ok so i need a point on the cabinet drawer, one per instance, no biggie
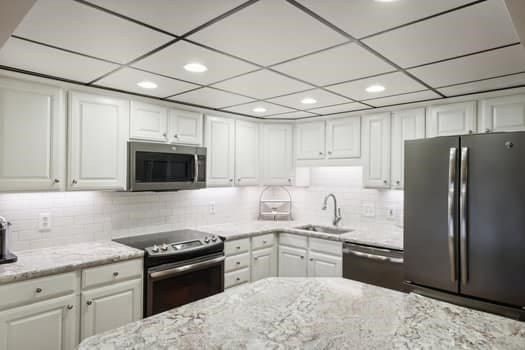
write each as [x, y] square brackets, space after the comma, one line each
[38, 289]
[262, 241]
[293, 240]
[236, 277]
[95, 276]
[326, 246]
[236, 247]
[237, 262]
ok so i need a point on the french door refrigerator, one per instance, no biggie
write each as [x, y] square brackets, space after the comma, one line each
[465, 220]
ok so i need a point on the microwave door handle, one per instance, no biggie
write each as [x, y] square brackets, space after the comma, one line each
[196, 172]
[180, 270]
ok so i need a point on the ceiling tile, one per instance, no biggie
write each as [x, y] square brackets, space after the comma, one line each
[263, 84]
[268, 32]
[394, 83]
[335, 65]
[211, 98]
[44, 60]
[172, 59]
[364, 17]
[248, 109]
[481, 66]
[406, 98]
[484, 85]
[176, 17]
[81, 28]
[126, 79]
[322, 97]
[293, 115]
[345, 107]
[471, 29]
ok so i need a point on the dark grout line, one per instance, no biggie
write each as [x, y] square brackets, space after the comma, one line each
[395, 95]
[480, 80]
[310, 54]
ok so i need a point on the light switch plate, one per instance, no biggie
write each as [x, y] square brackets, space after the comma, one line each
[44, 222]
[368, 210]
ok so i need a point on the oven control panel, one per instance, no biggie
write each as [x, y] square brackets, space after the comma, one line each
[174, 248]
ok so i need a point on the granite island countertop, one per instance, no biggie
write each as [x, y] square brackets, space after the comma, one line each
[315, 313]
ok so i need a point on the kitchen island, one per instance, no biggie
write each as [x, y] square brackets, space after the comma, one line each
[315, 313]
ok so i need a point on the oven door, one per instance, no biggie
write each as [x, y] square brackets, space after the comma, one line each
[172, 285]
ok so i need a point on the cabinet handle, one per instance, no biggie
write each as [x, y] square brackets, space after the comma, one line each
[238, 279]
[164, 134]
[255, 258]
[470, 132]
[56, 181]
[89, 302]
[302, 257]
[311, 259]
[238, 247]
[176, 136]
[487, 130]
[398, 182]
[238, 262]
[289, 180]
[74, 182]
[38, 290]
[264, 242]
[115, 273]
[320, 153]
[239, 180]
[70, 307]
[329, 152]
[231, 180]
[386, 182]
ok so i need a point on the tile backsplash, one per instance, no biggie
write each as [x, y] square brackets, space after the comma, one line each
[87, 216]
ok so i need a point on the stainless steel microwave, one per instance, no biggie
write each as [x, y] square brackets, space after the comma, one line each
[165, 167]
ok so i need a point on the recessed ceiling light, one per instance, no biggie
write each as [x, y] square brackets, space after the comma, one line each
[259, 109]
[147, 84]
[195, 67]
[308, 101]
[375, 88]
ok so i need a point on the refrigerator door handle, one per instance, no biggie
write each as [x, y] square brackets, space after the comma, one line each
[452, 168]
[463, 214]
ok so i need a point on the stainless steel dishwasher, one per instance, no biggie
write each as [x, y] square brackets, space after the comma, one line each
[379, 266]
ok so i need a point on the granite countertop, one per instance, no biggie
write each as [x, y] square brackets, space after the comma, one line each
[315, 313]
[47, 261]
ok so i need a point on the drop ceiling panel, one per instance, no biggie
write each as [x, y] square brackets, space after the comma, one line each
[263, 84]
[481, 66]
[472, 29]
[484, 85]
[394, 83]
[335, 65]
[44, 60]
[211, 98]
[172, 59]
[406, 98]
[126, 79]
[176, 17]
[268, 32]
[322, 97]
[81, 28]
[248, 109]
[346, 107]
[293, 115]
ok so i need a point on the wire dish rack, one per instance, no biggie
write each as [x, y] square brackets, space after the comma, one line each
[278, 206]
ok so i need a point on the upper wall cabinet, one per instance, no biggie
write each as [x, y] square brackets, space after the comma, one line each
[343, 138]
[32, 137]
[376, 150]
[277, 154]
[98, 133]
[220, 141]
[149, 122]
[246, 153]
[406, 125]
[503, 114]
[185, 127]
[310, 140]
[451, 119]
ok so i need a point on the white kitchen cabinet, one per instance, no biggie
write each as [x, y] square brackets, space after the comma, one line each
[503, 114]
[343, 138]
[277, 154]
[98, 134]
[324, 265]
[310, 140]
[263, 263]
[148, 122]
[406, 125]
[32, 137]
[246, 153]
[185, 127]
[220, 141]
[376, 150]
[451, 119]
[292, 262]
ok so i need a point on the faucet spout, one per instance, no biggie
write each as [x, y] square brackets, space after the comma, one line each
[337, 211]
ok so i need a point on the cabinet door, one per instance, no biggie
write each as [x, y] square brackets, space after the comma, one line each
[246, 153]
[323, 265]
[343, 138]
[503, 114]
[110, 307]
[406, 125]
[452, 119]
[32, 137]
[220, 140]
[376, 150]
[277, 154]
[292, 262]
[148, 122]
[98, 133]
[47, 325]
[263, 263]
[185, 127]
[310, 140]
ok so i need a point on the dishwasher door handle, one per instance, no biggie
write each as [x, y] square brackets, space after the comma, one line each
[373, 256]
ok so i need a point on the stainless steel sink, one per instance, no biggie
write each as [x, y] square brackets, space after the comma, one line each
[324, 229]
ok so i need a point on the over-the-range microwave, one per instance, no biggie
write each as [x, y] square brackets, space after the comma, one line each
[165, 167]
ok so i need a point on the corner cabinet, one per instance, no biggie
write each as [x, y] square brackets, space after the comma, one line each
[277, 154]
[220, 141]
[246, 153]
[503, 114]
[98, 134]
[376, 150]
[451, 119]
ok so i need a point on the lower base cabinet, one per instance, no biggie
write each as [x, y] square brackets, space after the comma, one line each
[292, 262]
[263, 263]
[323, 265]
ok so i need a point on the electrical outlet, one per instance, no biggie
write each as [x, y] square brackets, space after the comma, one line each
[211, 208]
[368, 209]
[44, 223]
[390, 213]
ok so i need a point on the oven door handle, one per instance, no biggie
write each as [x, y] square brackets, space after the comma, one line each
[179, 270]
[373, 256]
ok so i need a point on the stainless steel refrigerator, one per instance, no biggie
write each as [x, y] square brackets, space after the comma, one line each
[465, 220]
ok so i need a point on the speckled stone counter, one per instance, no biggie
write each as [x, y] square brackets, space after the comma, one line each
[315, 313]
[47, 261]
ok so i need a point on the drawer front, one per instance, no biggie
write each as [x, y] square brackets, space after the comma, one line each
[237, 262]
[326, 246]
[236, 277]
[236, 247]
[96, 276]
[38, 289]
[263, 241]
[293, 240]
